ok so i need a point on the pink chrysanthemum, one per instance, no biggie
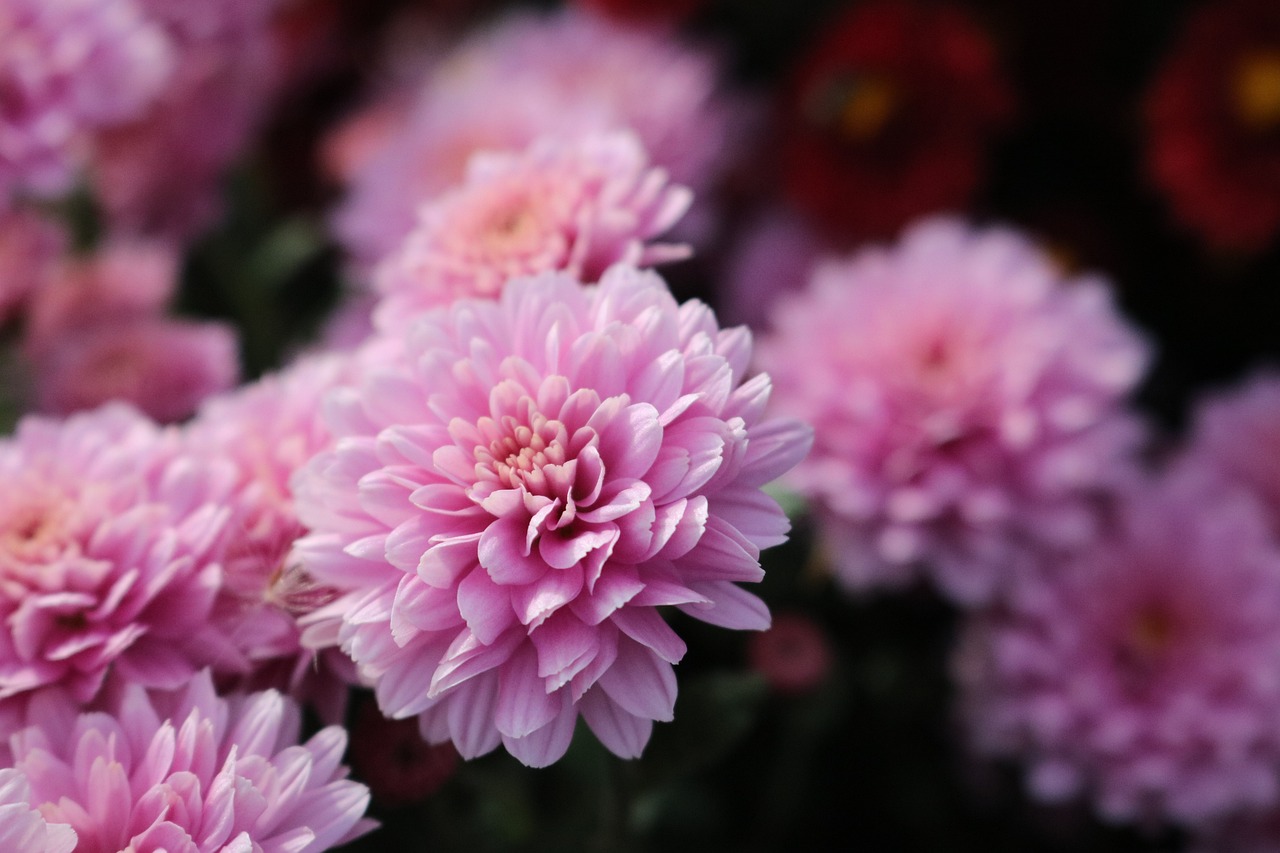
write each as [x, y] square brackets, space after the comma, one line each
[1145, 671]
[508, 506]
[22, 827]
[1238, 432]
[110, 538]
[68, 67]
[268, 430]
[964, 399]
[532, 76]
[579, 207]
[191, 772]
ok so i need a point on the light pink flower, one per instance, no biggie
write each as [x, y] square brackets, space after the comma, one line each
[507, 507]
[579, 207]
[68, 67]
[164, 367]
[532, 76]
[1238, 431]
[23, 828]
[1144, 672]
[965, 400]
[110, 540]
[268, 430]
[29, 249]
[191, 772]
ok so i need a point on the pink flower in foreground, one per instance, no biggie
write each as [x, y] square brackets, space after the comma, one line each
[110, 538]
[22, 827]
[164, 367]
[507, 507]
[532, 76]
[1238, 432]
[1144, 672]
[191, 772]
[68, 67]
[965, 400]
[578, 207]
[268, 430]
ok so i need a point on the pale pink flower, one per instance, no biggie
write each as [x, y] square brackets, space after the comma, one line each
[1238, 431]
[191, 772]
[22, 827]
[268, 430]
[510, 502]
[1144, 672]
[110, 541]
[165, 367]
[532, 76]
[68, 67]
[966, 401]
[579, 207]
[30, 247]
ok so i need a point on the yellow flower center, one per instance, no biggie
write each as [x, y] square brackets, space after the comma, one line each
[867, 107]
[1256, 90]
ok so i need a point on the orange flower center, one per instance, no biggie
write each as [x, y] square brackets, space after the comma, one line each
[857, 106]
[1256, 90]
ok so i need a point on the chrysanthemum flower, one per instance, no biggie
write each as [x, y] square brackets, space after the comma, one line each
[508, 506]
[110, 538]
[529, 77]
[578, 207]
[1143, 673]
[268, 430]
[964, 399]
[1212, 119]
[890, 115]
[22, 827]
[191, 772]
[68, 67]
[1237, 431]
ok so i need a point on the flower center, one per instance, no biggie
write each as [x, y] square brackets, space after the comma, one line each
[1256, 90]
[857, 106]
[520, 456]
[31, 528]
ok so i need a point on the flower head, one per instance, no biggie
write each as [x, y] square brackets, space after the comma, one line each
[507, 507]
[1142, 672]
[110, 540]
[190, 772]
[965, 399]
[578, 207]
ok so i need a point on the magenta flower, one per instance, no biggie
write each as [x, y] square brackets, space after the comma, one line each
[532, 76]
[68, 67]
[268, 430]
[1143, 673]
[508, 506]
[110, 538]
[1236, 431]
[23, 828]
[191, 772]
[965, 400]
[578, 207]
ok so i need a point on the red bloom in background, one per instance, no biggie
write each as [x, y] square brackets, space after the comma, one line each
[1213, 124]
[645, 10]
[391, 757]
[890, 115]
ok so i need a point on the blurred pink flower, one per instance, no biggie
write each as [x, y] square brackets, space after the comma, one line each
[30, 246]
[191, 772]
[22, 828]
[966, 399]
[268, 430]
[110, 542]
[507, 507]
[794, 655]
[579, 207]
[1144, 672]
[1238, 431]
[164, 367]
[532, 76]
[68, 67]
[775, 254]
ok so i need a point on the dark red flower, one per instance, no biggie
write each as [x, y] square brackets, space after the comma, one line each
[889, 116]
[391, 757]
[645, 10]
[794, 655]
[1213, 124]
